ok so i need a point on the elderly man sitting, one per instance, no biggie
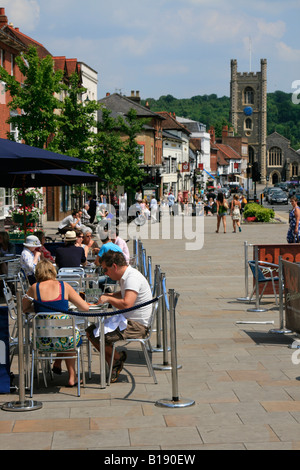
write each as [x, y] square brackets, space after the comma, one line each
[134, 290]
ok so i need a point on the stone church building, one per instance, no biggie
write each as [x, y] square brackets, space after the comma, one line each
[248, 115]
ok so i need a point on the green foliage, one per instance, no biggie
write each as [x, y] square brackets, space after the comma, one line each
[208, 109]
[35, 97]
[262, 214]
[74, 135]
[283, 114]
[116, 152]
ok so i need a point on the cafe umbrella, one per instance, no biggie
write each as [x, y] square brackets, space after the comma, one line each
[21, 157]
[35, 178]
[44, 178]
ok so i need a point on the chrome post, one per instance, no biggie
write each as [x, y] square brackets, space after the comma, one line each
[246, 270]
[22, 404]
[175, 401]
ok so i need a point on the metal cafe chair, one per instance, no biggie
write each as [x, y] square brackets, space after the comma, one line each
[265, 276]
[71, 270]
[47, 330]
[13, 271]
[144, 342]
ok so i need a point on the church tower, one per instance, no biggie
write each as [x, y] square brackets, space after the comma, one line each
[248, 111]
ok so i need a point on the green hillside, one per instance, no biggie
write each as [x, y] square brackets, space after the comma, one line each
[283, 115]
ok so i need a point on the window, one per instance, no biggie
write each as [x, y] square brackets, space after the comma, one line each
[142, 153]
[248, 124]
[275, 156]
[1, 57]
[249, 95]
[167, 164]
[14, 132]
[294, 169]
[251, 155]
[174, 165]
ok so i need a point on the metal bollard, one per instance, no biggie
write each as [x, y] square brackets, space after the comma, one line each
[149, 278]
[257, 306]
[282, 328]
[246, 270]
[144, 266]
[175, 401]
[165, 308]
[158, 292]
[22, 404]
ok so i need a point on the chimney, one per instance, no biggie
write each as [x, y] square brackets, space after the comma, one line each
[231, 132]
[135, 96]
[212, 135]
[224, 132]
[3, 18]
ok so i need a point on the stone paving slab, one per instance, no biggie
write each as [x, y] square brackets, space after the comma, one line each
[241, 377]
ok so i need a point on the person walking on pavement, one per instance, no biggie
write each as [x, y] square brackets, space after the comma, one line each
[236, 213]
[171, 202]
[294, 220]
[222, 208]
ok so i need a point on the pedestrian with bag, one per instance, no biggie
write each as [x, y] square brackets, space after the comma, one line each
[236, 213]
[294, 220]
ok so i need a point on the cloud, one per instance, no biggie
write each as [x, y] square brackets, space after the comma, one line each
[22, 13]
[287, 53]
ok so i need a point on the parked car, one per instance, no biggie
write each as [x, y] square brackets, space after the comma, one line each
[271, 190]
[225, 191]
[278, 197]
[292, 192]
[283, 186]
[266, 192]
[234, 188]
[297, 194]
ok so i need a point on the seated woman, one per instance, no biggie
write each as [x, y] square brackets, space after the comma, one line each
[89, 243]
[30, 257]
[56, 294]
[46, 253]
[209, 207]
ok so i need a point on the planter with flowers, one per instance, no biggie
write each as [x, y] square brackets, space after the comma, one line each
[17, 236]
[29, 210]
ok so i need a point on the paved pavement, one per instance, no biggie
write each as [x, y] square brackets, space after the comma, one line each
[241, 377]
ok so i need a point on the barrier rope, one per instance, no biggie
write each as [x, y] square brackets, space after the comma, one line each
[89, 314]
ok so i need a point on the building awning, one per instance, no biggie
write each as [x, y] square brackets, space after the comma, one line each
[210, 174]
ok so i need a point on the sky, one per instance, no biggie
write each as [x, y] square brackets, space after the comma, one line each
[160, 47]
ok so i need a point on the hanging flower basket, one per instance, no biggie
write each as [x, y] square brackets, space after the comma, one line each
[29, 199]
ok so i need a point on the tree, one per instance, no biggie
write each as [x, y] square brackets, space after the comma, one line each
[132, 174]
[116, 152]
[35, 97]
[76, 121]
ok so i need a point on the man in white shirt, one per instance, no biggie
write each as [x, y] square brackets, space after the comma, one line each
[134, 290]
[71, 222]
